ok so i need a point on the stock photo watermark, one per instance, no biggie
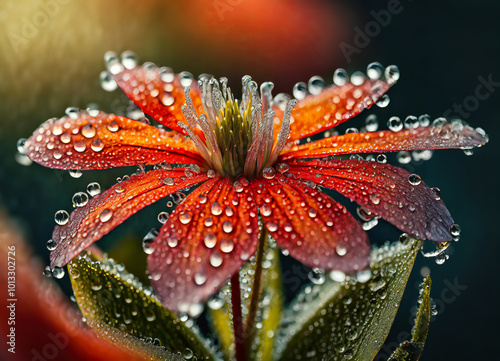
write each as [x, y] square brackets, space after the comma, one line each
[484, 89]
[29, 26]
[363, 36]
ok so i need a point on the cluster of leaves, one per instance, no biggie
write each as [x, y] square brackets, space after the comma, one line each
[328, 320]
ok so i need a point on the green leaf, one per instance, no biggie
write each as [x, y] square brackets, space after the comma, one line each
[350, 320]
[412, 350]
[110, 297]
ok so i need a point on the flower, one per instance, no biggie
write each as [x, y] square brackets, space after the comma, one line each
[247, 163]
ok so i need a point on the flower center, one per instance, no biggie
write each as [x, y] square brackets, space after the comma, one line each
[236, 138]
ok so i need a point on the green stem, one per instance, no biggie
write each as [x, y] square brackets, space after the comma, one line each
[239, 337]
[256, 289]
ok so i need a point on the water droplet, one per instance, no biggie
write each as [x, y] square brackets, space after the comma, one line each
[186, 78]
[65, 138]
[216, 259]
[74, 273]
[272, 226]
[317, 277]
[455, 230]
[404, 157]
[163, 217]
[169, 181]
[226, 245]
[72, 112]
[20, 145]
[375, 198]
[364, 276]
[374, 71]
[337, 276]
[216, 209]
[88, 131]
[392, 74]
[80, 199]
[383, 101]
[371, 123]
[357, 78]
[187, 354]
[51, 245]
[75, 173]
[210, 240]
[107, 82]
[185, 218]
[61, 217]
[424, 120]
[340, 77]
[58, 272]
[300, 91]
[113, 126]
[382, 158]
[97, 145]
[265, 210]
[437, 193]
[80, 146]
[166, 74]
[268, 173]
[312, 213]
[316, 85]
[105, 215]
[47, 272]
[210, 173]
[93, 189]
[200, 278]
[208, 222]
[129, 59]
[414, 179]
[395, 124]
[227, 227]
[351, 130]
[282, 167]
[340, 250]
[411, 122]
[238, 187]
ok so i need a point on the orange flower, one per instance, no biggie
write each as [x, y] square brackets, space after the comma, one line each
[245, 158]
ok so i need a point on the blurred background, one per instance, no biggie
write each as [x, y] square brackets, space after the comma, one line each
[51, 55]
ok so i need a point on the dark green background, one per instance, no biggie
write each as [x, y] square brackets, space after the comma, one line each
[441, 48]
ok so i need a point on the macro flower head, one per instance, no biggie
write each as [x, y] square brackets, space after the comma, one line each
[248, 172]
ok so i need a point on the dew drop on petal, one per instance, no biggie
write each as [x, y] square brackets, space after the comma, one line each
[392, 74]
[282, 167]
[312, 213]
[200, 278]
[51, 245]
[72, 112]
[216, 209]
[226, 245]
[185, 218]
[93, 189]
[80, 146]
[216, 259]
[288, 227]
[299, 91]
[105, 215]
[208, 222]
[316, 85]
[107, 82]
[374, 71]
[113, 126]
[411, 122]
[340, 77]
[227, 227]
[65, 138]
[357, 78]
[80, 199]
[437, 193]
[340, 250]
[395, 124]
[75, 173]
[383, 101]
[404, 157]
[186, 78]
[272, 226]
[210, 173]
[375, 199]
[265, 210]
[268, 173]
[97, 145]
[61, 217]
[371, 123]
[414, 179]
[455, 230]
[169, 181]
[88, 131]
[210, 240]
[129, 59]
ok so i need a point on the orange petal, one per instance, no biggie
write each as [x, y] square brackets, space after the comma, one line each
[85, 141]
[434, 137]
[204, 242]
[109, 209]
[334, 105]
[159, 93]
[47, 326]
[390, 192]
[311, 226]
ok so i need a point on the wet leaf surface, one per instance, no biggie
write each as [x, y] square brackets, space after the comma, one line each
[348, 320]
[109, 297]
[412, 350]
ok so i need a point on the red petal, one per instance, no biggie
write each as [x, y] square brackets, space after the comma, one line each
[204, 242]
[334, 105]
[387, 141]
[47, 326]
[159, 96]
[106, 141]
[384, 190]
[313, 227]
[109, 209]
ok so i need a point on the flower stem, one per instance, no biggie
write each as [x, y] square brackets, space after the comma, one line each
[239, 337]
[256, 287]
